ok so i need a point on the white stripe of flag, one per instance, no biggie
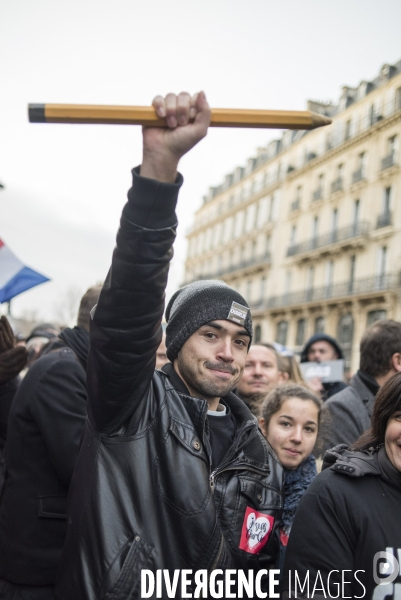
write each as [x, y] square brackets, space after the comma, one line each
[15, 277]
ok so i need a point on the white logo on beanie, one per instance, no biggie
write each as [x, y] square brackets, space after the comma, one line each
[238, 313]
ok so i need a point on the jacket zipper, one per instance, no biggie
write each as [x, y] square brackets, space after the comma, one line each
[216, 560]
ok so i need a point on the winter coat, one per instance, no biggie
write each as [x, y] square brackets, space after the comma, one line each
[44, 431]
[7, 393]
[143, 495]
[348, 515]
[345, 416]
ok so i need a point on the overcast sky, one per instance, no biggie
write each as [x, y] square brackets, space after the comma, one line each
[65, 185]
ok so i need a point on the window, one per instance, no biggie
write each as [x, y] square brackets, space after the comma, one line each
[320, 182]
[345, 333]
[329, 277]
[398, 99]
[258, 334]
[391, 145]
[301, 327]
[362, 163]
[351, 274]
[357, 205]
[287, 284]
[272, 207]
[319, 324]
[375, 315]
[347, 133]
[262, 288]
[249, 290]
[382, 259]
[293, 236]
[386, 200]
[281, 332]
[334, 221]
[309, 282]
[315, 227]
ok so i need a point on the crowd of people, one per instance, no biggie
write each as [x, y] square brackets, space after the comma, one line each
[124, 448]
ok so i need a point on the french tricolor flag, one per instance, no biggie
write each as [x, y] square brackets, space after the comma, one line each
[15, 277]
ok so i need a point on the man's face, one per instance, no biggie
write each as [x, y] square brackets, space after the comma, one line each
[161, 356]
[320, 351]
[212, 359]
[261, 372]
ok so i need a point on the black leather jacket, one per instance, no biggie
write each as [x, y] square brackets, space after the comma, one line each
[142, 495]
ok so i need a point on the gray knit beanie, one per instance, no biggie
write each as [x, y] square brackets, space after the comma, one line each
[198, 303]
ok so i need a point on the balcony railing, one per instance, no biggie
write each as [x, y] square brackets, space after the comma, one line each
[317, 195]
[354, 287]
[358, 175]
[295, 205]
[264, 259]
[336, 185]
[388, 161]
[383, 220]
[337, 235]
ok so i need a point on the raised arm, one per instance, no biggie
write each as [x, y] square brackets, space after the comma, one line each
[125, 329]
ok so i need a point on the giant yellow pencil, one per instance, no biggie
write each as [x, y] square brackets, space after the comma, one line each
[146, 115]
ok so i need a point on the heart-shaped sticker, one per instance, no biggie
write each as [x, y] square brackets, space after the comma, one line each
[256, 530]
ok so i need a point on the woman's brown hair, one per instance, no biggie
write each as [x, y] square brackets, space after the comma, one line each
[276, 398]
[387, 402]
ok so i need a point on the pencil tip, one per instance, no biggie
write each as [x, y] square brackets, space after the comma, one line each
[319, 120]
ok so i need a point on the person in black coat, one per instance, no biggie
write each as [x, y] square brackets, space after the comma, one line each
[44, 432]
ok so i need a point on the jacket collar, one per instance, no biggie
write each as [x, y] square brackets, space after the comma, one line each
[363, 392]
[240, 411]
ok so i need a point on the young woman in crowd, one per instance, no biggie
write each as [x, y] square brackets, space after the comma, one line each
[290, 421]
[347, 531]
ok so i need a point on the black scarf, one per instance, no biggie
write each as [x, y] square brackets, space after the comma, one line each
[78, 340]
[369, 381]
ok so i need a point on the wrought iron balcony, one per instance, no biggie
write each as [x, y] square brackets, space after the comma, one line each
[358, 175]
[354, 287]
[336, 185]
[259, 260]
[317, 194]
[388, 161]
[295, 205]
[384, 219]
[337, 235]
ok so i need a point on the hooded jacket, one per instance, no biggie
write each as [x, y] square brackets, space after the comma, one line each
[143, 494]
[45, 426]
[355, 507]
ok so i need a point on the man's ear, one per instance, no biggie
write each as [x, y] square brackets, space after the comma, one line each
[283, 376]
[262, 425]
[396, 362]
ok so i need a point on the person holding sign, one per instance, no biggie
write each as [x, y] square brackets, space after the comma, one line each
[323, 348]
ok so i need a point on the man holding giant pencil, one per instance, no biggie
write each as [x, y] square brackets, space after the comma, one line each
[173, 473]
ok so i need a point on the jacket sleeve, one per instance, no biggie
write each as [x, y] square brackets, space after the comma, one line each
[126, 324]
[316, 547]
[58, 408]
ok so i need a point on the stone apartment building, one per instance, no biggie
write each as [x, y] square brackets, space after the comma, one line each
[309, 231]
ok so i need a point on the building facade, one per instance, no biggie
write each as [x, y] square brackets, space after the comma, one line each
[309, 231]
